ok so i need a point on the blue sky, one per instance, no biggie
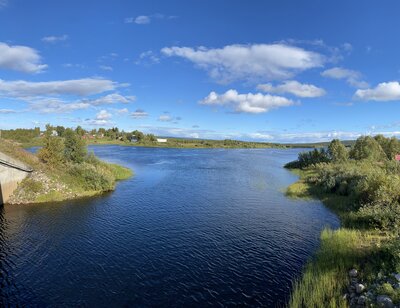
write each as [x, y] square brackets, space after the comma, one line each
[277, 71]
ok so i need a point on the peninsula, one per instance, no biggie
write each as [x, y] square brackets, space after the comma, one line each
[62, 169]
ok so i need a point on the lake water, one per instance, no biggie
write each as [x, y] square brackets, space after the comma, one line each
[206, 227]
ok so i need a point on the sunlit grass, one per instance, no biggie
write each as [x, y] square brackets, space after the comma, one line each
[325, 277]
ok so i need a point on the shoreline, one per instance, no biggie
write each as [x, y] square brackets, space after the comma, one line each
[324, 279]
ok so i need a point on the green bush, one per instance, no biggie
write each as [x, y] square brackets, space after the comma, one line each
[93, 177]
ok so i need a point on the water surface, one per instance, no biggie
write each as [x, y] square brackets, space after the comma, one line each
[192, 228]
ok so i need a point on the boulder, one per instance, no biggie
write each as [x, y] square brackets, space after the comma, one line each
[397, 276]
[353, 273]
[359, 288]
[362, 300]
[384, 301]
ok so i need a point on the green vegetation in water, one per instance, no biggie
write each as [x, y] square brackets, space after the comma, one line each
[63, 170]
[361, 185]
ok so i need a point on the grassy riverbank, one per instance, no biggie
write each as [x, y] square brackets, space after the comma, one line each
[363, 190]
[63, 181]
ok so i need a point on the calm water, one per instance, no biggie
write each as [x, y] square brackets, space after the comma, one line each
[192, 228]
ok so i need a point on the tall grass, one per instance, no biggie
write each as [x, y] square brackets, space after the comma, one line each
[325, 277]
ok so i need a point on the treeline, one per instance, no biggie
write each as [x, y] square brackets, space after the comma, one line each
[21, 135]
[367, 174]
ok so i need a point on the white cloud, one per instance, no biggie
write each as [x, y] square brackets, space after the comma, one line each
[55, 105]
[103, 115]
[139, 114]
[250, 103]
[7, 111]
[352, 77]
[293, 87]
[81, 87]
[20, 58]
[113, 98]
[122, 111]
[148, 57]
[55, 39]
[165, 118]
[106, 68]
[249, 62]
[385, 91]
[140, 20]
[146, 19]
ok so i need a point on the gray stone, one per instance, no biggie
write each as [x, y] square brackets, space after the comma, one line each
[353, 273]
[359, 288]
[397, 276]
[384, 301]
[362, 300]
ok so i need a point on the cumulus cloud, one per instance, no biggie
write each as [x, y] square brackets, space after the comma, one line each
[80, 87]
[249, 62]
[20, 58]
[103, 118]
[385, 91]
[55, 105]
[55, 39]
[352, 77]
[113, 98]
[293, 87]
[249, 103]
[139, 114]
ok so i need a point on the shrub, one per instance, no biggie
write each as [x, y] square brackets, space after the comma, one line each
[93, 177]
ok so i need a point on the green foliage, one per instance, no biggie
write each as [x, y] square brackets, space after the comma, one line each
[391, 146]
[367, 148]
[306, 159]
[52, 152]
[337, 151]
[74, 147]
[92, 177]
[20, 134]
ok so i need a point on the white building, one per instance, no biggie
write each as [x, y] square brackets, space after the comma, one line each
[161, 140]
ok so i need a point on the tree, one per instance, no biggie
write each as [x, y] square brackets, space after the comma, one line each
[337, 151]
[74, 147]
[151, 137]
[52, 152]
[367, 148]
[139, 135]
[391, 146]
[60, 130]
[79, 130]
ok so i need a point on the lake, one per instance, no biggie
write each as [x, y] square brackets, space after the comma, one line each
[202, 227]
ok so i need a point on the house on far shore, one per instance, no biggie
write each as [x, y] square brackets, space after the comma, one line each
[161, 140]
[397, 157]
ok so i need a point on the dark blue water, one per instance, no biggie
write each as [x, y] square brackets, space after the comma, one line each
[192, 228]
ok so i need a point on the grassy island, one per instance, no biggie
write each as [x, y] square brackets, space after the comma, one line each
[62, 170]
[362, 185]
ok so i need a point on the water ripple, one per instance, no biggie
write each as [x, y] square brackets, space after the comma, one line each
[192, 228]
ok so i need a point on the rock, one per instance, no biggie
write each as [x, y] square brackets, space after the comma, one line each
[384, 301]
[359, 288]
[396, 285]
[353, 273]
[397, 276]
[362, 300]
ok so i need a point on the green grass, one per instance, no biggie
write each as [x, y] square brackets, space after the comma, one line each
[120, 172]
[325, 277]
